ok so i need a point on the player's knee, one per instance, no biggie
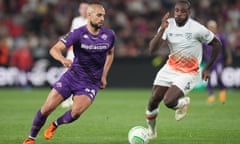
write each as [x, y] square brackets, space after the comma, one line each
[169, 103]
[46, 112]
[76, 114]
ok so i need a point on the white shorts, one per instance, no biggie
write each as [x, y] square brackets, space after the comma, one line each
[167, 77]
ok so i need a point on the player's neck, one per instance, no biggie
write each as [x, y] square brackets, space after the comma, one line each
[93, 30]
[182, 23]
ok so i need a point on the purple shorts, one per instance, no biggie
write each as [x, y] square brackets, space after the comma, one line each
[69, 85]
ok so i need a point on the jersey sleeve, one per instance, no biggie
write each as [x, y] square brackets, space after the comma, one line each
[69, 39]
[112, 40]
[206, 36]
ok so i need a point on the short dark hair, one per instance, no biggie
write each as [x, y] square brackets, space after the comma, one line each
[184, 2]
[99, 2]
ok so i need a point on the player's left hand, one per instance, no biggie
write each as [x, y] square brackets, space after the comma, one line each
[205, 74]
[67, 63]
[164, 24]
[103, 83]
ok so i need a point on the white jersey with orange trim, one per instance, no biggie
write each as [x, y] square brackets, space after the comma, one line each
[185, 44]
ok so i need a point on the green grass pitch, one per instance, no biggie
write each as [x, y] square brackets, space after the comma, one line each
[115, 111]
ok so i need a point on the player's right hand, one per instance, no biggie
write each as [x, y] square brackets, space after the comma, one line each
[205, 74]
[164, 24]
[67, 63]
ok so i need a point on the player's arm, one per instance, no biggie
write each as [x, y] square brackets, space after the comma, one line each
[216, 45]
[56, 53]
[157, 40]
[107, 66]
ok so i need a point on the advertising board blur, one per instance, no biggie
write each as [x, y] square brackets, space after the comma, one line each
[125, 73]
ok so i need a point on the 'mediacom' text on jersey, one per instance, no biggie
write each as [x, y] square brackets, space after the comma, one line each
[90, 51]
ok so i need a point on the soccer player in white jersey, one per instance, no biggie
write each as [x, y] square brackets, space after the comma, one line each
[76, 23]
[178, 76]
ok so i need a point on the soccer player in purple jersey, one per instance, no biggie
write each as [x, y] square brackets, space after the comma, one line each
[93, 47]
[224, 58]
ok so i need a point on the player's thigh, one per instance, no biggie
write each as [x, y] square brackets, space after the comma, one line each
[186, 82]
[164, 77]
[80, 104]
[158, 92]
[53, 100]
[172, 95]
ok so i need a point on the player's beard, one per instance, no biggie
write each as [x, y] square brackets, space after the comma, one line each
[181, 21]
[95, 26]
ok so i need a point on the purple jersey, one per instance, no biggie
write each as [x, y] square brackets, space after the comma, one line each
[221, 55]
[90, 52]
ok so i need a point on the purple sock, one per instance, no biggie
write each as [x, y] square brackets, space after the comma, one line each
[37, 124]
[66, 118]
[220, 84]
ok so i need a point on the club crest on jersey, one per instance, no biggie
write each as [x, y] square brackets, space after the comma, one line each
[207, 35]
[85, 36]
[188, 36]
[59, 84]
[104, 36]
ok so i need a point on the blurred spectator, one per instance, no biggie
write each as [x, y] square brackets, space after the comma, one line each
[22, 59]
[134, 21]
[4, 49]
[3, 52]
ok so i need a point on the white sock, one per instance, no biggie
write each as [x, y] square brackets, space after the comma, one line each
[151, 119]
[56, 123]
[34, 138]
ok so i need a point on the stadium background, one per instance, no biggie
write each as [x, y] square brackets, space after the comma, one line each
[33, 26]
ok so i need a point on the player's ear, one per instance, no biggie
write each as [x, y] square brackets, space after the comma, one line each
[88, 13]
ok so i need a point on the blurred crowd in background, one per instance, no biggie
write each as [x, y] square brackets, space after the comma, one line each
[28, 28]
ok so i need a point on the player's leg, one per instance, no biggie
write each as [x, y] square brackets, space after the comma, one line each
[80, 104]
[210, 88]
[152, 109]
[173, 94]
[175, 97]
[53, 100]
[211, 97]
[161, 83]
[222, 93]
